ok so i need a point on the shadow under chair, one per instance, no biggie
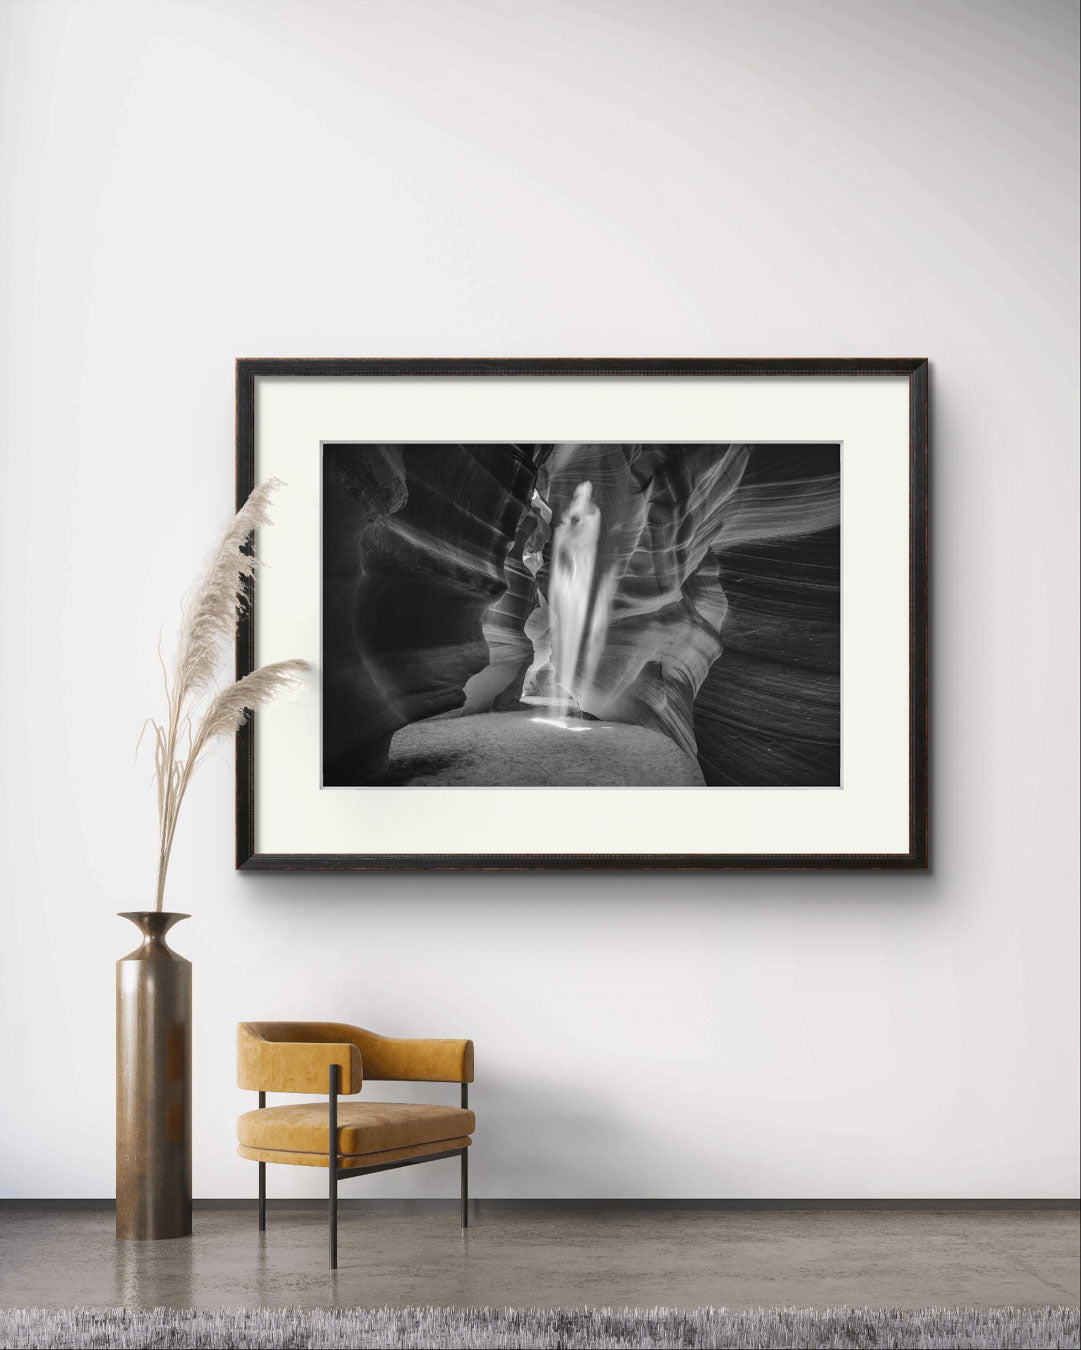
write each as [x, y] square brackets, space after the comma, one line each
[349, 1139]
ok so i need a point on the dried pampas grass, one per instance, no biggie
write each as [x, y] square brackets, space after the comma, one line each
[196, 718]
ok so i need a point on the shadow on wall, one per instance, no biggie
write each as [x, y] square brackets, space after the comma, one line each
[587, 1149]
[433, 896]
[574, 1122]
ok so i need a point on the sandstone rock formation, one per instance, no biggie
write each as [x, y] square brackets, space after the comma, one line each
[415, 543]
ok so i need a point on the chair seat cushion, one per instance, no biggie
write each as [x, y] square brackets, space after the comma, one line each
[363, 1127]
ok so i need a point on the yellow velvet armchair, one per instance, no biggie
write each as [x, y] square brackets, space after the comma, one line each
[349, 1139]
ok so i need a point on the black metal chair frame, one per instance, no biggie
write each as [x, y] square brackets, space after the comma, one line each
[337, 1173]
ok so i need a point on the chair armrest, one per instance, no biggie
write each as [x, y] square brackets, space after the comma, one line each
[294, 1066]
[417, 1060]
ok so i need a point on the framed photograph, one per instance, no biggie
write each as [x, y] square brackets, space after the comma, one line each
[588, 614]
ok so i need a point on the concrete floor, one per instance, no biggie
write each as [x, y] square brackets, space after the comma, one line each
[536, 1254]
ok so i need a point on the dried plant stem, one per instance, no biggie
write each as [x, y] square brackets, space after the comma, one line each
[193, 721]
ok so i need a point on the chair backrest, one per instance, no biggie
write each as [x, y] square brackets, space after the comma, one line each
[296, 1056]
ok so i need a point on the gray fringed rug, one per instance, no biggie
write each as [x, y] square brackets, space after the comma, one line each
[525, 1328]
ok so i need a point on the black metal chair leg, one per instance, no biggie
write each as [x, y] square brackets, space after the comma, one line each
[332, 1164]
[465, 1164]
[333, 1217]
[262, 1178]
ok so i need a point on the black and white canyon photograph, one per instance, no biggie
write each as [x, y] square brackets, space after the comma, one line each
[581, 615]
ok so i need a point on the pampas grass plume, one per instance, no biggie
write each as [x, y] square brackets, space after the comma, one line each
[199, 714]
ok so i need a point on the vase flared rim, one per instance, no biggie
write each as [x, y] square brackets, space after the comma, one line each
[154, 924]
[136, 914]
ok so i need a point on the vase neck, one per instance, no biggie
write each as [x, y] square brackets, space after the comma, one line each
[153, 923]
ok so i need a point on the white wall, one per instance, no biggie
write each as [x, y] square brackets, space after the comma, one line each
[185, 182]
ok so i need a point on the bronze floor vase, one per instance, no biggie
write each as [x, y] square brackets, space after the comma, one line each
[153, 1084]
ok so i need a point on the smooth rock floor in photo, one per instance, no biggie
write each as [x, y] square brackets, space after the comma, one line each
[531, 749]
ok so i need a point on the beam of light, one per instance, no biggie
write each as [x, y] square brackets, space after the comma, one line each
[579, 606]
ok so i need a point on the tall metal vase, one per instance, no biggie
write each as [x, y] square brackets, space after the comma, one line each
[153, 1084]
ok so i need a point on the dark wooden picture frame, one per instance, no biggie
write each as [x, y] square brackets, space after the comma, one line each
[914, 370]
